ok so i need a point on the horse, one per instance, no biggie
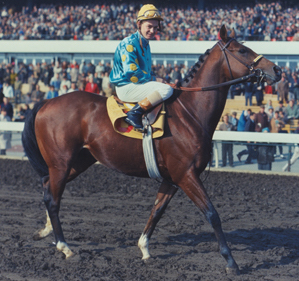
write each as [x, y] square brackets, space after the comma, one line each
[66, 135]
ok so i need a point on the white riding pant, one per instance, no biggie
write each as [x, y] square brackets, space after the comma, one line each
[156, 92]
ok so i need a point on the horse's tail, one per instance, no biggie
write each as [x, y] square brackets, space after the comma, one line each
[30, 144]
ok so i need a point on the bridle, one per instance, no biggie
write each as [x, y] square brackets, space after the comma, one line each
[258, 73]
[225, 50]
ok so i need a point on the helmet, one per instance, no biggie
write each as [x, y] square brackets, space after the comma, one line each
[149, 12]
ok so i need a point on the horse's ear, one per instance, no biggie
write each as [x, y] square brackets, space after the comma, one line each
[232, 34]
[223, 33]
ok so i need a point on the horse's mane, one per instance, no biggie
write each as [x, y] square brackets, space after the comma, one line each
[190, 75]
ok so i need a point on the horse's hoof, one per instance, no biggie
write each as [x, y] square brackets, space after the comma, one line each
[146, 258]
[69, 254]
[36, 236]
[232, 271]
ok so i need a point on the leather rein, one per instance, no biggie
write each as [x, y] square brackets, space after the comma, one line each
[258, 73]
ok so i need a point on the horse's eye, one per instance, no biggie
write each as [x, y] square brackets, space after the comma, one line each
[242, 51]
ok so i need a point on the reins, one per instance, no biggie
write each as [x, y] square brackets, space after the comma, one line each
[258, 73]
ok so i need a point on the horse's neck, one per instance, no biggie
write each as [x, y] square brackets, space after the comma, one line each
[206, 107]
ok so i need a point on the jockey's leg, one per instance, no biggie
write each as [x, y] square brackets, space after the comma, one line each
[134, 116]
[161, 92]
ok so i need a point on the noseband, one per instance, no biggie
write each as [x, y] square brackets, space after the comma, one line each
[258, 73]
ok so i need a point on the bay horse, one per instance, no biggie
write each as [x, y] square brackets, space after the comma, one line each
[66, 135]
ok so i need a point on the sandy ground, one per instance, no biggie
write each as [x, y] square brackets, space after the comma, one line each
[103, 214]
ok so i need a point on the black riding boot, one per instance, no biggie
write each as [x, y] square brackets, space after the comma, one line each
[134, 116]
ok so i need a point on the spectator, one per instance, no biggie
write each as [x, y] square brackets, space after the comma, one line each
[17, 88]
[32, 81]
[109, 91]
[56, 81]
[73, 88]
[99, 69]
[243, 120]
[90, 69]
[74, 72]
[259, 93]
[249, 127]
[8, 106]
[276, 124]
[227, 148]
[22, 73]
[23, 112]
[63, 90]
[12, 76]
[37, 94]
[268, 105]
[235, 90]
[261, 119]
[296, 93]
[234, 121]
[176, 75]
[64, 82]
[270, 114]
[280, 107]
[1, 95]
[292, 111]
[98, 80]
[91, 86]
[57, 69]
[265, 155]
[52, 93]
[8, 90]
[83, 68]
[248, 88]
[105, 82]
[5, 136]
[46, 74]
[283, 89]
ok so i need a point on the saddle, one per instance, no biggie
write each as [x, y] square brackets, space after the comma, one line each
[117, 112]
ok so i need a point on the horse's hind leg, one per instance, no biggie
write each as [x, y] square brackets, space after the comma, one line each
[79, 165]
[165, 193]
[194, 188]
[52, 199]
[44, 232]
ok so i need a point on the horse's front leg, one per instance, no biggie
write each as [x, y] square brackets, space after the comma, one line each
[193, 187]
[165, 193]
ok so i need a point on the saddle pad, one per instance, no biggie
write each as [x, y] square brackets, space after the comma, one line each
[117, 115]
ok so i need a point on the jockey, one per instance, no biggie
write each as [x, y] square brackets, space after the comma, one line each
[131, 73]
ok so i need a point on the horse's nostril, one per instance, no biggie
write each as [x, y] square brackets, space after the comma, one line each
[277, 69]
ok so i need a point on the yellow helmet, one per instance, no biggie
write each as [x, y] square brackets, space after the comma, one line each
[149, 12]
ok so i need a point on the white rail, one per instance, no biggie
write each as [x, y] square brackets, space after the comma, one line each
[218, 135]
[288, 139]
[157, 47]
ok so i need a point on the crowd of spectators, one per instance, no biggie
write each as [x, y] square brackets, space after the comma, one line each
[261, 22]
[29, 84]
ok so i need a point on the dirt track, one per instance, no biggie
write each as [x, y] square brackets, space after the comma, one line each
[103, 214]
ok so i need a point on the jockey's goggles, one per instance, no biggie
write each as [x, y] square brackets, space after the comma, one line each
[150, 14]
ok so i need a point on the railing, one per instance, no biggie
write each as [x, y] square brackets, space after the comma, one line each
[243, 137]
[218, 137]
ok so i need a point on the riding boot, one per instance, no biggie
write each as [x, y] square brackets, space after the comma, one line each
[134, 116]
